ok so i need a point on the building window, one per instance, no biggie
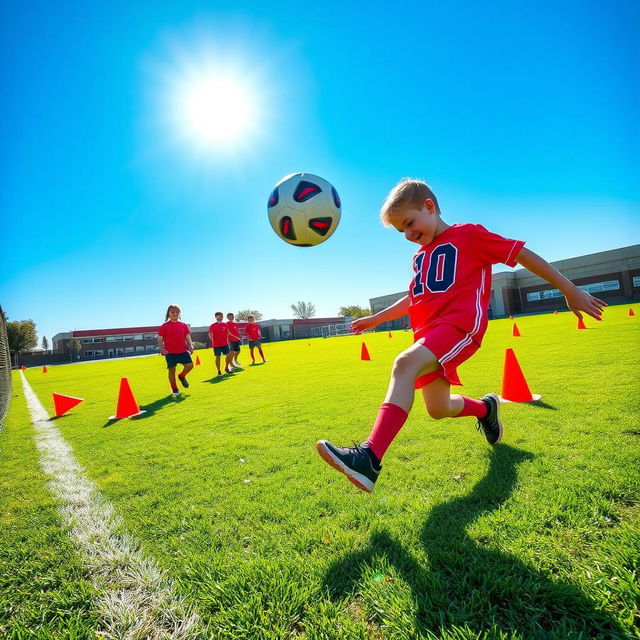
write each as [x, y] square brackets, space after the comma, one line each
[149, 336]
[138, 349]
[636, 281]
[97, 340]
[87, 340]
[593, 287]
[150, 347]
[129, 349]
[88, 353]
[137, 336]
[114, 338]
[599, 287]
[547, 294]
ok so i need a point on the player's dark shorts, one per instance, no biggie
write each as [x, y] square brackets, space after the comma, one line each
[254, 343]
[178, 358]
[235, 346]
[221, 351]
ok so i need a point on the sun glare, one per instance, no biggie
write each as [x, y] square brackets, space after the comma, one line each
[212, 110]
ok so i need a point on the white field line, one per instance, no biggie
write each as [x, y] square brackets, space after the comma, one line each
[136, 600]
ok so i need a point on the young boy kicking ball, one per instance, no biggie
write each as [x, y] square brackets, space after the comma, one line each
[447, 305]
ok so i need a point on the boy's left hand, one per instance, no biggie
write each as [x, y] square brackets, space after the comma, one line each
[579, 300]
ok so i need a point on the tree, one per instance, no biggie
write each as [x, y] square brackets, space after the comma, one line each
[354, 311]
[22, 336]
[75, 346]
[45, 343]
[303, 310]
[243, 315]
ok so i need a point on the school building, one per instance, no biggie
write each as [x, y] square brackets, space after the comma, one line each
[613, 276]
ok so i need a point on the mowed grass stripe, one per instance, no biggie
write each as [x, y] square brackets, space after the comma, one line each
[134, 599]
[44, 593]
[537, 538]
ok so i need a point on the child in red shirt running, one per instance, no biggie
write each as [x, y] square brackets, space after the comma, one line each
[220, 342]
[235, 341]
[174, 340]
[447, 305]
[254, 335]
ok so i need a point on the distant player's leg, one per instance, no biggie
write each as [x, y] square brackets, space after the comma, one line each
[218, 365]
[172, 380]
[227, 366]
[261, 354]
[253, 359]
[236, 355]
[183, 375]
[361, 464]
[441, 403]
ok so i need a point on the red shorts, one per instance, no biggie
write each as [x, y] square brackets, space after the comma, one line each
[451, 347]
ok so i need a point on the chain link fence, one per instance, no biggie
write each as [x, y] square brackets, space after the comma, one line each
[5, 370]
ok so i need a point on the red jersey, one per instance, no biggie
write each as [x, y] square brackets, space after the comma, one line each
[218, 334]
[252, 329]
[233, 331]
[452, 282]
[174, 336]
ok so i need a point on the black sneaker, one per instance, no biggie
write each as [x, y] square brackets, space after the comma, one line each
[355, 462]
[183, 381]
[490, 425]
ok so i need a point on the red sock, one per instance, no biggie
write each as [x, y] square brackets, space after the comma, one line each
[389, 421]
[473, 407]
[182, 375]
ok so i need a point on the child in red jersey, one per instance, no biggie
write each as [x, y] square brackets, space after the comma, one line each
[447, 305]
[220, 342]
[174, 340]
[235, 341]
[254, 335]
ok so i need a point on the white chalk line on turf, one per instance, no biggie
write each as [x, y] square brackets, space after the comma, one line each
[136, 600]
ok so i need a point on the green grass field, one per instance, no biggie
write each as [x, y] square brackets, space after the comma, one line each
[538, 537]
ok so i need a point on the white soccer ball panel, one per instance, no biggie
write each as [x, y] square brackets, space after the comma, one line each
[304, 209]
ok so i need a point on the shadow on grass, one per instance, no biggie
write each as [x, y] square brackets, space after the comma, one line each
[470, 585]
[150, 409]
[542, 405]
[218, 379]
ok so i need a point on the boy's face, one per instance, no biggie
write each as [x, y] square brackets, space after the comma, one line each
[230, 316]
[219, 317]
[250, 318]
[174, 313]
[418, 224]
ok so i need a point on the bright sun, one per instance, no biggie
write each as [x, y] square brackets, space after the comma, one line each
[212, 110]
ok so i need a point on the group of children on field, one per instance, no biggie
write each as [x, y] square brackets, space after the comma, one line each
[174, 340]
[447, 303]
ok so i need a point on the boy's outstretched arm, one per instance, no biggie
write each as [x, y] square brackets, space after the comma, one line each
[577, 299]
[396, 310]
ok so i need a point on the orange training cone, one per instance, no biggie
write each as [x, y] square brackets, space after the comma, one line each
[127, 405]
[364, 354]
[510, 317]
[515, 333]
[631, 313]
[44, 369]
[555, 313]
[390, 334]
[581, 324]
[514, 384]
[197, 360]
[62, 403]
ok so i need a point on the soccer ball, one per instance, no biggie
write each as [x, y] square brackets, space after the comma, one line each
[304, 210]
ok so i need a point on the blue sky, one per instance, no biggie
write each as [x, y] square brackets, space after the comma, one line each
[522, 116]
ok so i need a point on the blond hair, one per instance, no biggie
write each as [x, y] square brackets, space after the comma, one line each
[408, 191]
[172, 306]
